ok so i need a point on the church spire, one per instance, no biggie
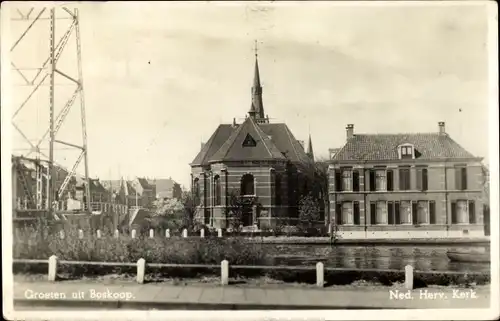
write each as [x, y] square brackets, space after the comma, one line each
[257, 107]
[310, 152]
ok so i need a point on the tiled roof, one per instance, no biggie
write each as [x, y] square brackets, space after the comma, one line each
[233, 149]
[218, 138]
[164, 184]
[384, 147]
[283, 138]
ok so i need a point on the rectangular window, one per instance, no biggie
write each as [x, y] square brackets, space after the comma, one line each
[404, 178]
[390, 180]
[355, 181]
[381, 217]
[422, 179]
[373, 209]
[432, 212]
[380, 180]
[461, 178]
[390, 212]
[347, 180]
[356, 213]
[397, 216]
[338, 213]
[372, 180]
[462, 212]
[338, 181]
[472, 213]
[405, 212]
[422, 212]
[347, 213]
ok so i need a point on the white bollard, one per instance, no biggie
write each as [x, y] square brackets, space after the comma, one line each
[117, 233]
[202, 233]
[151, 233]
[133, 234]
[167, 233]
[320, 275]
[52, 268]
[219, 233]
[80, 234]
[224, 272]
[98, 234]
[185, 233]
[61, 234]
[141, 269]
[330, 229]
[409, 277]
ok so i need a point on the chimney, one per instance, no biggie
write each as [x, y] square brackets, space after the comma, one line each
[202, 145]
[350, 130]
[442, 130]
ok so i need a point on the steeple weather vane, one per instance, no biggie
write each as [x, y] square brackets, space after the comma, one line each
[256, 49]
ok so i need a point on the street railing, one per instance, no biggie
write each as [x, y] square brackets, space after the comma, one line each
[54, 263]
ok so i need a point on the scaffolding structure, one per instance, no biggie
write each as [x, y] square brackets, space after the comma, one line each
[46, 75]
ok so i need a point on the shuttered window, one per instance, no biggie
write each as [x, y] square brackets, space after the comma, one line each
[390, 180]
[472, 212]
[422, 212]
[397, 211]
[338, 181]
[405, 212]
[414, 212]
[380, 180]
[422, 179]
[355, 181]
[390, 213]
[373, 210]
[372, 180]
[356, 213]
[432, 212]
[338, 213]
[381, 217]
[461, 178]
[347, 213]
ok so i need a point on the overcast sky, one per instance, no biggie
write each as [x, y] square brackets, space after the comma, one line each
[160, 77]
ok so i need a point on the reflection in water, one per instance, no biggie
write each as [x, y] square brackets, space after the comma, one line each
[423, 258]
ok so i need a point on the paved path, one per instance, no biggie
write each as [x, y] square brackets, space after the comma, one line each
[86, 295]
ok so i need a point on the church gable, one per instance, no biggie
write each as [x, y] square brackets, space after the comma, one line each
[248, 142]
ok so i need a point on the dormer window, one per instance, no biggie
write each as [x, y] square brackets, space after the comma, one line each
[249, 141]
[406, 151]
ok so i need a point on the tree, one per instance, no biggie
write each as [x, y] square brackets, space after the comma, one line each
[235, 209]
[190, 202]
[169, 207]
[317, 173]
[309, 210]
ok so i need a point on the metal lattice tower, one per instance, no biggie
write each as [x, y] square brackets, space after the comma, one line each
[53, 30]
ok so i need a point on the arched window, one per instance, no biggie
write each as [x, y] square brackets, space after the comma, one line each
[196, 189]
[247, 185]
[217, 190]
[277, 189]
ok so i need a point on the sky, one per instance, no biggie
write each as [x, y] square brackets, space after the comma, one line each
[160, 77]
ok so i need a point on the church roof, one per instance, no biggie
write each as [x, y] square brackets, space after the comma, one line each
[218, 138]
[248, 142]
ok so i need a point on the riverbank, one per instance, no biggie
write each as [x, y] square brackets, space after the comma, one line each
[298, 240]
[98, 295]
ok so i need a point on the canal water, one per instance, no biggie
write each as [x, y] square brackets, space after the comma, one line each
[422, 258]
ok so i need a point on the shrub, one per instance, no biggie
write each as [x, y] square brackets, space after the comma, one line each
[175, 250]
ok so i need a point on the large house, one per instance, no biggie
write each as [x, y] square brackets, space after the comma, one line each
[257, 160]
[166, 188]
[405, 186]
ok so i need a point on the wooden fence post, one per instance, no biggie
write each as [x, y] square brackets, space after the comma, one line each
[61, 234]
[219, 233]
[185, 233]
[141, 269]
[52, 268]
[151, 233]
[98, 234]
[167, 233]
[224, 272]
[80, 234]
[202, 233]
[117, 233]
[133, 234]
[409, 277]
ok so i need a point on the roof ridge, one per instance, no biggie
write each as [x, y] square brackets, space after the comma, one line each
[395, 134]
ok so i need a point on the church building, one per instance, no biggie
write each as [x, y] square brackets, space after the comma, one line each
[260, 161]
